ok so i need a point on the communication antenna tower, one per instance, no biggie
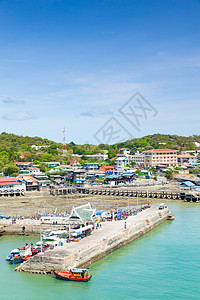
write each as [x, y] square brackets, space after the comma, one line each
[64, 142]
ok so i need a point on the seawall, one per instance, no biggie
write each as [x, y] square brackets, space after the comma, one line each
[111, 236]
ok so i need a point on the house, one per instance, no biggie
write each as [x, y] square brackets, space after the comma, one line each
[30, 182]
[187, 159]
[79, 177]
[122, 161]
[33, 170]
[107, 169]
[125, 151]
[24, 165]
[91, 166]
[38, 147]
[52, 164]
[75, 164]
[83, 214]
[160, 157]
[187, 185]
[98, 156]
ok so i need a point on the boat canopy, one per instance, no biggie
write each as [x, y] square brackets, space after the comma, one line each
[79, 270]
[14, 251]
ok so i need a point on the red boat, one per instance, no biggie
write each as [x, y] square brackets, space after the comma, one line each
[74, 275]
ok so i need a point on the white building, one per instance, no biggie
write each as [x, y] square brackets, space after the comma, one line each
[138, 158]
[125, 151]
[38, 147]
[122, 161]
[187, 159]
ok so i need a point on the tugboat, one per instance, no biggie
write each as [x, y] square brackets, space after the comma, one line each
[74, 275]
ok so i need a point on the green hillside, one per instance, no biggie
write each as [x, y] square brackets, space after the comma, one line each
[18, 148]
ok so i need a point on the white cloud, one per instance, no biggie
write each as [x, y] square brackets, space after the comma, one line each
[19, 116]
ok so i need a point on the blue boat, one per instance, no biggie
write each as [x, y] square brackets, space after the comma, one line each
[16, 259]
[13, 253]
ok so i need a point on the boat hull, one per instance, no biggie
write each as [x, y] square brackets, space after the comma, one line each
[16, 261]
[67, 276]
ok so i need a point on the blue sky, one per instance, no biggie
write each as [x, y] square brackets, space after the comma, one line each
[74, 64]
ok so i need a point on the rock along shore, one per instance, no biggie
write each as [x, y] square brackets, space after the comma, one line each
[111, 236]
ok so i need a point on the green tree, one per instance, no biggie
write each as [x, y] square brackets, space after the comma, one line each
[169, 174]
[11, 170]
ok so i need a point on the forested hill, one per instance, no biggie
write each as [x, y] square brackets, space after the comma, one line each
[161, 141]
[14, 147]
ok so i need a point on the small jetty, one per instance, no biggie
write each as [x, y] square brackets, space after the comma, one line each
[122, 192]
[110, 236]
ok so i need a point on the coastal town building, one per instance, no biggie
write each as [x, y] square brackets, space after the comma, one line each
[30, 182]
[75, 164]
[137, 158]
[24, 165]
[107, 169]
[52, 164]
[91, 166]
[185, 159]
[79, 176]
[124, 151]
[194, 152]
[160, 157]
[11, 186]
[38, 147]
[121, 161]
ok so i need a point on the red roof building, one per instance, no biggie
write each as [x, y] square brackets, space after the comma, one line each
[8, 181]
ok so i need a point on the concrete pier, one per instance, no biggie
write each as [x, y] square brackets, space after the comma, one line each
[111, 236]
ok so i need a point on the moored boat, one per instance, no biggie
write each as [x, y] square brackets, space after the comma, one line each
[74, 275]
[171, 217]
[16, 259]
[13, 253]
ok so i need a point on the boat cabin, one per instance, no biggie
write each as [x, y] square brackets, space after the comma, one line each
[79, 273]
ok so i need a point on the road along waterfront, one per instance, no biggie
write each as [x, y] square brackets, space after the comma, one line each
[162, 264]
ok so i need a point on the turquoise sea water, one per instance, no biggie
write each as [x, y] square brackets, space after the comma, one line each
[163, 264]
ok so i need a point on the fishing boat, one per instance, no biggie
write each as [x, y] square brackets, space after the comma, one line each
[14, 252]
[74, 275]
[171, 217]
[16, 259]
[24, 254]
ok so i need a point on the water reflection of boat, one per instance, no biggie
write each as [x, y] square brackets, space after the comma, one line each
[74, 275]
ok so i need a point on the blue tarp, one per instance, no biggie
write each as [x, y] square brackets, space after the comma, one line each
[112, 176]
[128, 174]
[119, 214]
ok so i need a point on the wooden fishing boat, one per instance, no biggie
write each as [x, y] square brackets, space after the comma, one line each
[16, 259]
[14, 252]
[74, 275]
[171, 217]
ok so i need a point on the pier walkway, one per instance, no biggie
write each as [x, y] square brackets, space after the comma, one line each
[111, 236]
[181, 195]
